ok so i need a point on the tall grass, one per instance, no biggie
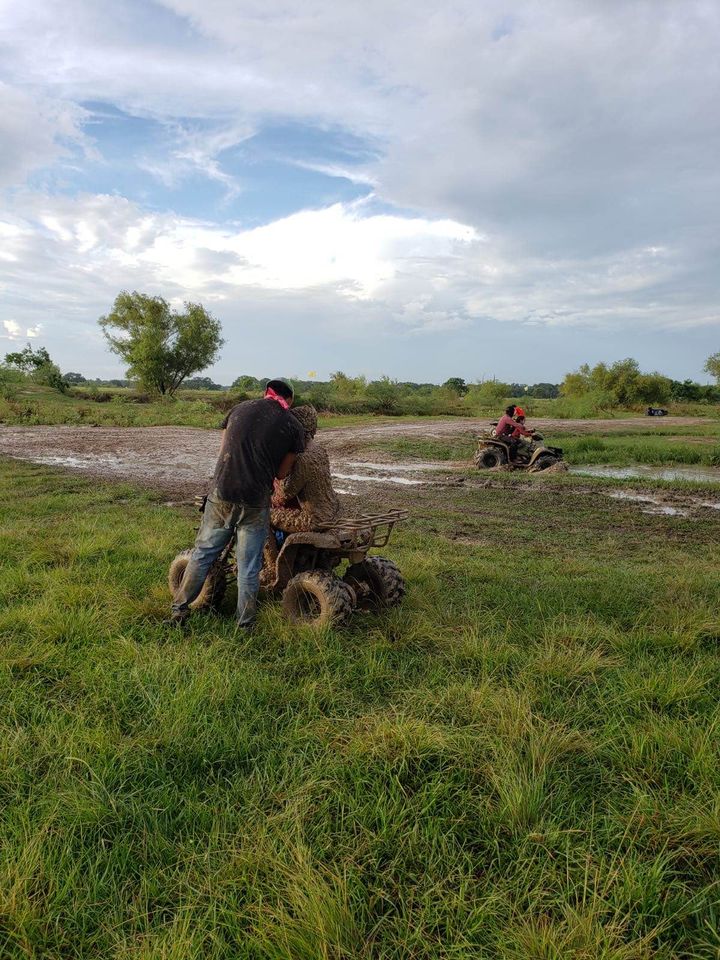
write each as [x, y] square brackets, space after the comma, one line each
[30, 404]
[520, 762]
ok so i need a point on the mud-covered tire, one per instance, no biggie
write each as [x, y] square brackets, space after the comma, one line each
[213, 591]
[487, 458]
[377, 583]
[543, 462]
[317, 598]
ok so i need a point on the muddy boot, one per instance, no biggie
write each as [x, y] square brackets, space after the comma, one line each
[178, 620]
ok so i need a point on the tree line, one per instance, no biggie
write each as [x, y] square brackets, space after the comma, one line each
[165, 349]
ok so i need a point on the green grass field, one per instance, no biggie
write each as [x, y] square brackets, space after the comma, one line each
[33, 406]
[30, 405]
[522, 762]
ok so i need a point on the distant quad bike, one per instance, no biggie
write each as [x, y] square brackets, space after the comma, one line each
[533, 456]
[306, 572]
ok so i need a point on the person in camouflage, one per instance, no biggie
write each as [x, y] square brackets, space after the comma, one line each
[305, 499]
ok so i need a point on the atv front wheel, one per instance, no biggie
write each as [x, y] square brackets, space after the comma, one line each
[213, 591]
[543, 462]
[377, 583]
[317, 597]
[487, 458]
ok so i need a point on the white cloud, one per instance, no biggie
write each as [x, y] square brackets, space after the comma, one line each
[559, 157]
[35, 130]
[12, 328]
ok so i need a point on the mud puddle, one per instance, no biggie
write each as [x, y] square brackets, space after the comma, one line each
[652, 505]
[376, 478]
[89, 462]
[401, 474]
[646, 472]
[416, 466]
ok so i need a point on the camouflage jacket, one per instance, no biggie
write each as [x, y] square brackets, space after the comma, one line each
[311, 483]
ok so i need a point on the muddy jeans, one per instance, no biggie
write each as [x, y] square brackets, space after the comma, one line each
[221, 520]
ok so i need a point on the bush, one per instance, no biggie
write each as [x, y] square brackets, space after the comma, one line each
[226, 402]
[10, 382]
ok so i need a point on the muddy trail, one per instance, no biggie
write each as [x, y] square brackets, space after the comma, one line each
[348, 440]
[178, 461]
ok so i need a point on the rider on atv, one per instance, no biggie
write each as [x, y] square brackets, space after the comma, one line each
[512, 430]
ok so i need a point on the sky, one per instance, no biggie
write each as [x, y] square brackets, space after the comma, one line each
[415, 189]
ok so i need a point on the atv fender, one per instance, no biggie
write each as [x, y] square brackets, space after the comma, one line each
[285, 566]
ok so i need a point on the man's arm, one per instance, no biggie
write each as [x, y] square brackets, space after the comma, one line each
[286, 465]
[295, 481]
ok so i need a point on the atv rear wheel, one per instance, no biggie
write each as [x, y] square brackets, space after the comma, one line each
[213, 591]
[317, 597]
[486, 458]
[377, 583]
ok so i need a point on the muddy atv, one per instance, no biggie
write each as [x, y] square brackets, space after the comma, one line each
[492, 452]
[308, 576]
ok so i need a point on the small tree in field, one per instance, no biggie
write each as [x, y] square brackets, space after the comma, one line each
[38, 366]
[27, 359]
[712, 366]
[457, 385]
[161, 346]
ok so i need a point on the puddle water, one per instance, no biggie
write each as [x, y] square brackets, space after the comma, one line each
[414, 467]
[380, 478]
[80, 463]
[654, 506]
[645, 471]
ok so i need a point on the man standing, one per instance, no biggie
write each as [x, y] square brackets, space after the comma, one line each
[260, 442]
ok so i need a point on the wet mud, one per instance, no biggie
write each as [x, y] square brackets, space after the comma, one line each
[178, 462]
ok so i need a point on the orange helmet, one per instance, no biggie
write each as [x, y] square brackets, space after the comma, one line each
[519, 412]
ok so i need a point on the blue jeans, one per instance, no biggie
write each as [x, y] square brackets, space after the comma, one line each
[221, 521]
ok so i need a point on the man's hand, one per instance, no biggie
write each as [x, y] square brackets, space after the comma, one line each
[286, 465]
[278, 500]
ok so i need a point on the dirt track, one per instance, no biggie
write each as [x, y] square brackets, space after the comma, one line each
[180, 460]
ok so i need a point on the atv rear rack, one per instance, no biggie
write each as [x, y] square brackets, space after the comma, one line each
[371, 530]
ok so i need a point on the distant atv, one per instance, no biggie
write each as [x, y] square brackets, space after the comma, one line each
[492, 451]
[305, 572]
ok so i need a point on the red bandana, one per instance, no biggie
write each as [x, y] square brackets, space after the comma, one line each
[271, 395]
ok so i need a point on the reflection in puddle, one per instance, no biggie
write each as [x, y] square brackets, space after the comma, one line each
[645, 471]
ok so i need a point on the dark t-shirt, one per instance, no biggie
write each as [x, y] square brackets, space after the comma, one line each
[258, 436]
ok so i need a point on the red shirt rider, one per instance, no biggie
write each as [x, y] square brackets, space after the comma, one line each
[507, 427]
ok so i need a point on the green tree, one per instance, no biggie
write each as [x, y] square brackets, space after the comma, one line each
[488, 393]
[621, 384]
[345, 386]
[38, 365]
[49, 375]
[457, 385]
[712, 366]
[385, 394]
[28, 359]
[201, 383]
[249, 383]
[161, 346]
